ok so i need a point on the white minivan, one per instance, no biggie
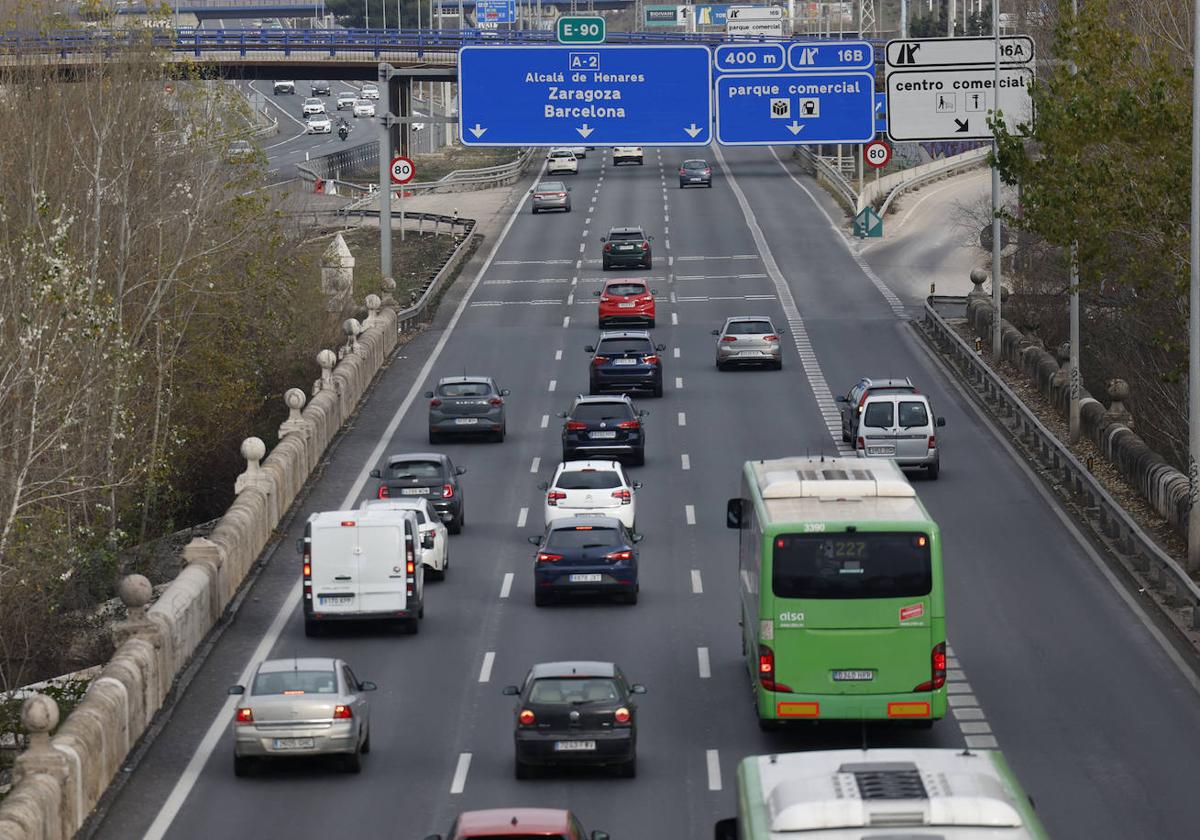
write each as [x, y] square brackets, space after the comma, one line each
[435, 539]
[362, 565]
[902, 427]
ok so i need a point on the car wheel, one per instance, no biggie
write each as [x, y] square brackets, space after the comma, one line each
[568, 208]
[542, 599]
[709, 185]
[456, 524]
[313, 629]
[932, 472]
[628, 770]
[434, 437]
[242, 766]
[845, 436]
[777, 365]
[721, 366]
[353, 762]
[639, 459]
[651, 324]
[535, 211]
[498, 436]
[648, 264]
[366, 746]
[604, 266]
[412, 626]
[522, 770]
[658, 389]
[630, 598]
[435, 574]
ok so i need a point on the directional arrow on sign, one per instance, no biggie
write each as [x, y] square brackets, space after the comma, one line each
[478, 131]
[692, 130]
[795, 127]
[585, 131]
[962, 124]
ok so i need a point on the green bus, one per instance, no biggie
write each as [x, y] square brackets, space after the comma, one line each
[842, 608]
[947, 794]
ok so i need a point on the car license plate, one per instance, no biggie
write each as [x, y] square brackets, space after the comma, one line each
[586, 578]
[629, 305]
[853, 676]
[881, 450]
[293, 743]
[753, 354]
[335, 600]
[574, 746]
[414, 491]
[624, 248]
[602, 435]
[624, 361]
[466, 421]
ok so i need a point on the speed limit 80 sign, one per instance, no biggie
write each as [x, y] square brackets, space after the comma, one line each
[403, 170]
[877, 153]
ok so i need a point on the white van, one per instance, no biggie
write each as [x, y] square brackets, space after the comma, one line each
[362, 565]
[901, 427]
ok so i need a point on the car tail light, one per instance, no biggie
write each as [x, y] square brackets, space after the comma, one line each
[932, 442]
[646, 298]
[626, 554]
[682, 171]
[629, 424]
[575, 426]
[770, 338]
[860, 443]
[624, 495]
[546, 557]
[937, 667]
[560, 195]
[341, 712]
[495, 401]
[447, 491]
[605, 299]
[383, 491]
[645, 245]
[622, 715]
[599, 360]
[729, 338]
[553, 497]
[245, 715]
[649, 360]
[435, 403]
[411, 567]
[707, 171]
[526, 717]
[307, 570]
[607, 247]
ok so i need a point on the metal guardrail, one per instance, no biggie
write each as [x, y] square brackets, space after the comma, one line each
[844, 191]
[408, 318]
[952, 165]
[1135, 548]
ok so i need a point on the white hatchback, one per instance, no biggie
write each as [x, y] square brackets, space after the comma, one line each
[591, 488]
[312, 105]
[561, 160]
[364, 108]
[435, 558]
[370, 90]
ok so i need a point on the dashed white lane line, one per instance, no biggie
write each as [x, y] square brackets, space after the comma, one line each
[553, 385]
[711, 757]
[537, 462]
[689, 513]
[670, 261]
[673, 297]
[697, 583]
[674, 319]
[588, 220]
[545, 420]
[682, 419]
[678, 383]
[566, 322]
[558, 355]
[506, 585]
[459, 783]
[675, 353]
[522, 516]
[668, 243]
[485, 670]
[571, 299]
[685, 462]
[585, 231]
[581, 246]
[701, 661]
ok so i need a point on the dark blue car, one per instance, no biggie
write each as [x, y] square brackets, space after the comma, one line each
[594, 555]
[624, 362]
[604, 427]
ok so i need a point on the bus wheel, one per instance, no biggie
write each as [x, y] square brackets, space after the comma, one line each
[769, 725]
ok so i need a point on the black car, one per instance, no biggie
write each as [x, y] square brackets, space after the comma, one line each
[695, 173]
[626, 246]
[604, 427]
[467, 405]
[425, 475]
[573, 713]
[590, 555]
[319, 89]
[624, 362]
[851, 405]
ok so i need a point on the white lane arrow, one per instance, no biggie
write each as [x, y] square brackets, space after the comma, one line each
[692, 130]
[795, 127]
[478, 130]
[585, 131]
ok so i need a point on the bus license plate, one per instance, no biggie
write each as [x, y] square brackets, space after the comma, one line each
[585, 578]
[853, 676]
[293, 743]
[336, 600]
[574, 746]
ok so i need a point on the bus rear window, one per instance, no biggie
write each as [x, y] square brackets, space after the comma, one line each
[851, 565]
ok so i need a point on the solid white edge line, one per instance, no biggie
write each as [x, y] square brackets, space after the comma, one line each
[485, 670]
[697, 583]
[459, 783]
[713, 759]
[506, 586]
[702, 661]
[522, 516]
[191, 773]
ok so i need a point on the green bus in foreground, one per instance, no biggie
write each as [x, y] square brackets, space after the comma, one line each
[843, 616]
[887, 793]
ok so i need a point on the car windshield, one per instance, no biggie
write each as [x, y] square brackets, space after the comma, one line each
[573, 691]
[695, 164]
[601, 411]
[414, 469]
[859, 565]
[748, 328]
[583, 536]
[551, 186]
[312, 101]
[588, 480]
[562, 154]
[626, 289]
[464, 389]
[295, 682]
[913, 414]
[618, 235]
[624, 346]
[879, 415]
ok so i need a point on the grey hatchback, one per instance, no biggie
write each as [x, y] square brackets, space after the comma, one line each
[550, 195]
[467, 405]
[695, 173]
[748, 340]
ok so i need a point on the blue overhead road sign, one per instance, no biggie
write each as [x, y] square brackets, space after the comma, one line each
[749, 58]
[780, 108]
[495, 11]
[831, 55]
[603, 95]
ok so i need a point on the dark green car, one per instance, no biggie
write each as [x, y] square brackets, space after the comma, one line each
[626, 246]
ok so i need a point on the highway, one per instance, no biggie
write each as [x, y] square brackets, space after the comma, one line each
[1050, 661]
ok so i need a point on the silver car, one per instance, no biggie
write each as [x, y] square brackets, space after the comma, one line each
[901, 427]
[467, 405]
[551, 195]
[345, 100]
[748, 340]
[302, 707]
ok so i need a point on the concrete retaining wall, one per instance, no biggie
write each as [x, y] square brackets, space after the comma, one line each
[59, 780]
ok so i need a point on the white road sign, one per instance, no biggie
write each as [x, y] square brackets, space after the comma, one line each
[953, 103]
[755, 13]
[769, 28]
[911, 53]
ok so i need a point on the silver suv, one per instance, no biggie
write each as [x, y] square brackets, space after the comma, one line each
[900, 427]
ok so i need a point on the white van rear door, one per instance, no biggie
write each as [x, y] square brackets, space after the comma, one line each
[335, 567]
[382, 564]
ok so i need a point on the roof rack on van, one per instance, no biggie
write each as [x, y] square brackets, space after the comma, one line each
[826, 478]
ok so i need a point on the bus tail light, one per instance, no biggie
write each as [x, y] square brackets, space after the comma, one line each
[766, 670]
[937, 667]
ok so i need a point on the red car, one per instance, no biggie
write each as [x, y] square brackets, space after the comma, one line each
[626, 302]
[524, 823]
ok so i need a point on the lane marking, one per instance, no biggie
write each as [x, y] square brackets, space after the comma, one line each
[558, 355]
[218, 729]
[678, 383]
[701, 660]
[689, 512]
[553, 385]
[522, 516]
[459, 783]
[713, 759]
[545, 420]
[675, 353]
[566, 322]
[685, 462]
[674, 319]
[682, 419]
[570, 299]
[506, 586]
[485, 671]
[697, 584]
[537, 462]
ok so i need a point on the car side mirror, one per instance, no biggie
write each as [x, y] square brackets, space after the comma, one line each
[504, 392]
[589, 349]
[637, 688]
[637, 538]
[941, 421]
[724, 830]
[562, 414]
[568, 189]
[643, 412]
[780, 332]
[531, 192]
[429, 395]
[534, 540]
[649, 238]
[376, 474]
[839, 398]
[510, 691]
[716, 332]
[595, 294]
[460, 471]
[543, 485]
[733, 513]
[603, 238]
[637, 485]
[367, 685]
[660, 347]
[655, 292]
[427, 542]
[237, 689]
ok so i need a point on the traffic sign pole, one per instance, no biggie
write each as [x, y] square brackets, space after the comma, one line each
[996, 299]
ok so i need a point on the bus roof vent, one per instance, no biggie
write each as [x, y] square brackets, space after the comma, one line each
[834, 478]
[887, 780]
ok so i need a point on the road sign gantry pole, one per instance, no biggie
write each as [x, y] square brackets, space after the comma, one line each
[1193, 553]
[996, 298]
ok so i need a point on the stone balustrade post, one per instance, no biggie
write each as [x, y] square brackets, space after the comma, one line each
[388, 287]
[978, 278]
[295, 424]
[327, 359]
[39, 716]
[351, 328]
[374, 304]
[1118, 392]
[253, 450]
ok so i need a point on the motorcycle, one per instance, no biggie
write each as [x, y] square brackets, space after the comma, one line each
[343, 132]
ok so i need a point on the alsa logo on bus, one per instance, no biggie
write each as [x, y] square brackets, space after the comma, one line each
[791, 619]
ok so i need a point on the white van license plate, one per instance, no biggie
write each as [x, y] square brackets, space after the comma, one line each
[586, 578]
[293, 743]
[336, 600]
[881, 450]
[574, 746]
[853, 676]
